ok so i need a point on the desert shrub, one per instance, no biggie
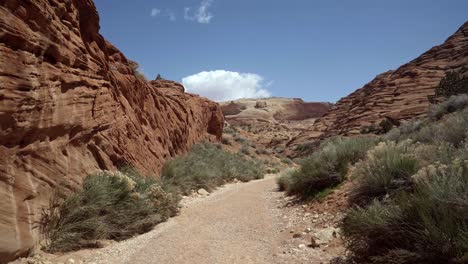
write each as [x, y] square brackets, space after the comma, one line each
[263, 151]
[226, 141]
[405, 131]
[287, 161]
[229, 129]
[306, 147]
[207, 166]
[284, 179]
[110, 205]
[135, 70]
[451, 129]
[428, 224]
[245, 149]
[240, 139]
[327, 167]
[452, 84]
[387, 167]
[453, 104]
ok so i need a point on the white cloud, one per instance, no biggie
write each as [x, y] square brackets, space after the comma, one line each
[155, 12]
[201, 15]
[221, 85]
[171, 15]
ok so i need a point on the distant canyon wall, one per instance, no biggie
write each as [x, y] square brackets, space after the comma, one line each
[399, 94]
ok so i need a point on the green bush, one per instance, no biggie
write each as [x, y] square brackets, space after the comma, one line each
[388, 167]
[240, 139]
[207, 166]
[327, 167]
[262, 151]
[245, 149]
[284, 179]
[287, 161]
[452, 129]
[453, 104]
[109, 206]
[426, 225]
[226, 141]
[229, 129]
[452, 84]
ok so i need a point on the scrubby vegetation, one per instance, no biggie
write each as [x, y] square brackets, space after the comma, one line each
[136, 70]
[208, 166]
[325, 168]
[410, 200]
[412, 195]
[454, 83]
[119, 205]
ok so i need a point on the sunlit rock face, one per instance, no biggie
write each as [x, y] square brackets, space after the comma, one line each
[70, 104]
[400, 94]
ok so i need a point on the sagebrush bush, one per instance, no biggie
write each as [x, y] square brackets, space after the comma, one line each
[426, 225]
[245, 149]
[453, 104]
[111, 205]
[207, 166]
[328, 166]
[452, 128]
[240, 139]
[226, 141]
[387, 167]
[284, 179]
[229, 129]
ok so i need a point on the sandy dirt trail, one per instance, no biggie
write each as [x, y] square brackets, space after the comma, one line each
[235, 225]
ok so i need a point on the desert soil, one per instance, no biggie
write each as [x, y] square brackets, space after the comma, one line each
[239, 223]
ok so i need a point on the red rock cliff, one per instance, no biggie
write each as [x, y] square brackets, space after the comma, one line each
[400, 94]
[70, 105]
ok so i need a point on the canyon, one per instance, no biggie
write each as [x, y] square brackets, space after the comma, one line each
[72, 104]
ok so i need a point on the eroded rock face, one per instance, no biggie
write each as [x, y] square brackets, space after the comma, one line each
[70, 105]
[397, 95]
[273, 122]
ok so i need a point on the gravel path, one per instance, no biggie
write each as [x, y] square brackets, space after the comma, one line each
[231, 226]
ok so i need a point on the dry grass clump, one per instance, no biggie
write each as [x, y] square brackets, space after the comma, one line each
[111, 205]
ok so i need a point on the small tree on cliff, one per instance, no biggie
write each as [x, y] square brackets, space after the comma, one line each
[158, 78]
[454, 82]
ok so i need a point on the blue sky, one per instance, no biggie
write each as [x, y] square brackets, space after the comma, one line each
[318, 50]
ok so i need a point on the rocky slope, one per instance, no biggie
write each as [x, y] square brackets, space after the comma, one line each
[398, 94]
[272, 122]
[71, 104]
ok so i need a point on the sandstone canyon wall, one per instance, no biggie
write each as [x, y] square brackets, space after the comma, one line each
[70, 104]
[398, 94]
